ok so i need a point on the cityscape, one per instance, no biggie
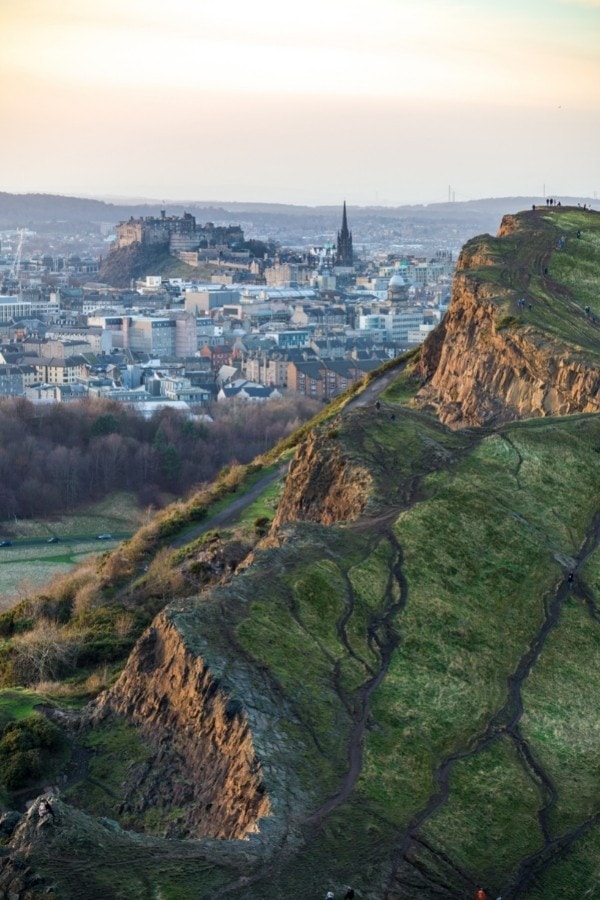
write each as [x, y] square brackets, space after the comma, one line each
[246, 317]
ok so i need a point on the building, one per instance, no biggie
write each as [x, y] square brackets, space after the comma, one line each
[61, 371]
[180, 232]
[152, 230]
[286, 274]
[397, 291]
[344, 254]
[323, 379]
[219, 355]
[12, 307]
[151, 335]
[201, 302]
[289, 340]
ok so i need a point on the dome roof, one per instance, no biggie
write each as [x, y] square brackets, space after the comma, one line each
[396, 280]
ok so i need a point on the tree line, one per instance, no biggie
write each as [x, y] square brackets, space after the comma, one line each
[56, 457]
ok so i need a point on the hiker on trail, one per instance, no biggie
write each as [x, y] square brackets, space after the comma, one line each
[330, 895]
[349, 895]
[378, 405]
[570, 579]
[481, 894]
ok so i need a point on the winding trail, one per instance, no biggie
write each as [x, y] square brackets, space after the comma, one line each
[385, 638]
[505, 722]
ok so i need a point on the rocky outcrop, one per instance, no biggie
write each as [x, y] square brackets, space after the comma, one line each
[204, 762]
[323, 484]
[482, 366]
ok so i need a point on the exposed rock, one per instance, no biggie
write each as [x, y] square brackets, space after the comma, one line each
[323, 485]
[480, 368]
[204, 759]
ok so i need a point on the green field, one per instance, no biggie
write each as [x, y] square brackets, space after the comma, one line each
[31, 562]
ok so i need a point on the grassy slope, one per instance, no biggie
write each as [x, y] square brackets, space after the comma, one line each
[555, 272]
[521, 502]
[481, 736]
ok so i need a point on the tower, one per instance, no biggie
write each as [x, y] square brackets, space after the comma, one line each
[344, 255]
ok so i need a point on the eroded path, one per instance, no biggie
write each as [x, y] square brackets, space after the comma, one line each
[504, 723]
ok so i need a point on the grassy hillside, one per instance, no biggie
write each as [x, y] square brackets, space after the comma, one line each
[419, 683]
[550, 261]
[441, 636]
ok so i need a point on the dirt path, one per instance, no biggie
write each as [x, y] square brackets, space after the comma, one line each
[232, 511]
[383, 637]
[506, 722]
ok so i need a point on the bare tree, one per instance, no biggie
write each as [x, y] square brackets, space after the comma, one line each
[43, 653]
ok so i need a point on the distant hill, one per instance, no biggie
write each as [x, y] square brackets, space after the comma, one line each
[29, 210]
[121, 266]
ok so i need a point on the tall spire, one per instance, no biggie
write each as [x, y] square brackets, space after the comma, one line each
[344, 254]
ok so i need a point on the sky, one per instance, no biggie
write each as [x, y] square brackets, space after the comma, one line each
[378, 102]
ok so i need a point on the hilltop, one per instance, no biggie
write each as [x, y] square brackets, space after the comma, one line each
[393, 684]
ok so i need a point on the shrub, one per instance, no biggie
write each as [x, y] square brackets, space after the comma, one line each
[26, 748]
[44, 653]
[503, 322]
[261, 525]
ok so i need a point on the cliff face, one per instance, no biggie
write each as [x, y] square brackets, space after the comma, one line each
[493, 360]
[323, 485]
[204, 762]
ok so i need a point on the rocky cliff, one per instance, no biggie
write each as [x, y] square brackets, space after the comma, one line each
[517, 341]
[203, 760]
[323, 484]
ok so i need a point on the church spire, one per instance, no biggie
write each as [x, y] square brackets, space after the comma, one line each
[344, 254]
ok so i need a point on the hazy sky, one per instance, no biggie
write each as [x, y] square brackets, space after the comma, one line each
[377, 101]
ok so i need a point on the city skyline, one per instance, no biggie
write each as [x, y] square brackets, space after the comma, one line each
[399, 103]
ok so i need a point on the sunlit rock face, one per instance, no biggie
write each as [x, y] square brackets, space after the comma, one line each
[480, 368]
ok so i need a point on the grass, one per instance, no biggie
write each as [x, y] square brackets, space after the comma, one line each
[265, 506]
[513, 508]
[114, 747]
[575, 875]
[484, 525]
[561, 718]
[26, 567]
[489, 822]
[118, 514]
[24, 570]
[18, 703]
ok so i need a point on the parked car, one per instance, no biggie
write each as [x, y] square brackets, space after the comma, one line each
[5, 543]
[53, 540]
[104, 537]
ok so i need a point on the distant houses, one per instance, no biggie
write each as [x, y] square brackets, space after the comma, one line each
[311, 323]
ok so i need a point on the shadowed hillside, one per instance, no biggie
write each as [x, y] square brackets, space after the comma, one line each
[396, 688]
